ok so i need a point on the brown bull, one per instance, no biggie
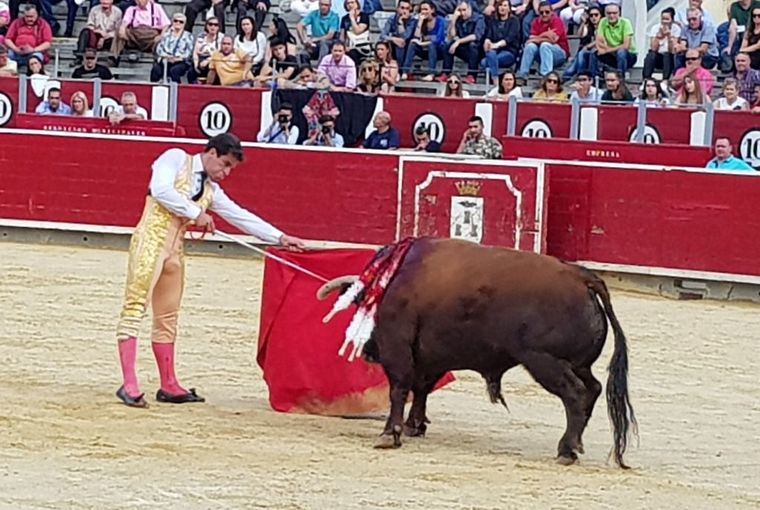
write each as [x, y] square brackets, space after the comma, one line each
[454, 305]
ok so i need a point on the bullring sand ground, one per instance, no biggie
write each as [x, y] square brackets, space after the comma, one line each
[65, 442]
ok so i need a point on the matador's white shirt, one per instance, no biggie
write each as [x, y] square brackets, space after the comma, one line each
[165, 170]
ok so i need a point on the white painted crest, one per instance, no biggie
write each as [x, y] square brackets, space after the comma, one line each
[467, 218]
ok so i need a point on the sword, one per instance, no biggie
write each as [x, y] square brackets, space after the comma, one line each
[271, 256]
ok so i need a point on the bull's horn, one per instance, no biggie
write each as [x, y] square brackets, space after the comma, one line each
[334, 284]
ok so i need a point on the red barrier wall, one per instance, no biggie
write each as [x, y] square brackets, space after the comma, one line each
[8, 101]
[448, 117]
[664, 219]
[111, 92]
[337, 196]
[695, 221]
[203, 113]
[615, 122]
[96, 125]
[543, 120]
[621, 152]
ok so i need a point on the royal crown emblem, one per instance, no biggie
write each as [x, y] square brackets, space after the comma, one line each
[471, 188]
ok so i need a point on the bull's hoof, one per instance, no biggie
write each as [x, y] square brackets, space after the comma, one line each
[579, 448]
[387, 441]
[410, 431]
[567, 459]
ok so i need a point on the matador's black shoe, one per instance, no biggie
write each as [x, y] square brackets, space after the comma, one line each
[184, 398]
[137, 401]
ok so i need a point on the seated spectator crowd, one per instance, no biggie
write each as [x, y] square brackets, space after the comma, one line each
[497, 41]
[517, 48]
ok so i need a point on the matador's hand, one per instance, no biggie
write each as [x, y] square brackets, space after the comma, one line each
[292, 243]
[206, 222]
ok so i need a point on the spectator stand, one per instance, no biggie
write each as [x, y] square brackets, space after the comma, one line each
[611, 121]
[156, 102]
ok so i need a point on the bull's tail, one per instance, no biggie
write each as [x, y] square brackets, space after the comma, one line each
[618, 402]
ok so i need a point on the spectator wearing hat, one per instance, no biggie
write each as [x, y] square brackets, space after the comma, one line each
[175, 51]
[7, 66]
[29, 36]
[102, 26]
[90, 67]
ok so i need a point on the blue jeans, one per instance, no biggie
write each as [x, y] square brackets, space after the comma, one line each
[620, 60]
[498, 60]
[71, 14]
[22, 60]
[527, 20]
[467, 52]
[585, 60]
[550, 56]
[371, 6]
[414, 49]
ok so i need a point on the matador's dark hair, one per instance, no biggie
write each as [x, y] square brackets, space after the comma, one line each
[226, 143]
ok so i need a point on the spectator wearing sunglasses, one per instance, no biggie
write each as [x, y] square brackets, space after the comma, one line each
[454, 87]
[174, 51]
[551, 90]
[547, 43]
[751, 40]
[206, 45]
[615, 47]
[90, 68]
[585, 60]
[697, 35]
[694, 68]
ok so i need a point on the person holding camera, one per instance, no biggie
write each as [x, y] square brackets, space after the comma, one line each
[326, 135]
[281, 131]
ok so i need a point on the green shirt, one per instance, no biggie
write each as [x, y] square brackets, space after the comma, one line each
[615, 35]
[741, 16]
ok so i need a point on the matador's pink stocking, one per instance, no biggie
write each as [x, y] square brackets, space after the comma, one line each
[164, 353]
[128, 358]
